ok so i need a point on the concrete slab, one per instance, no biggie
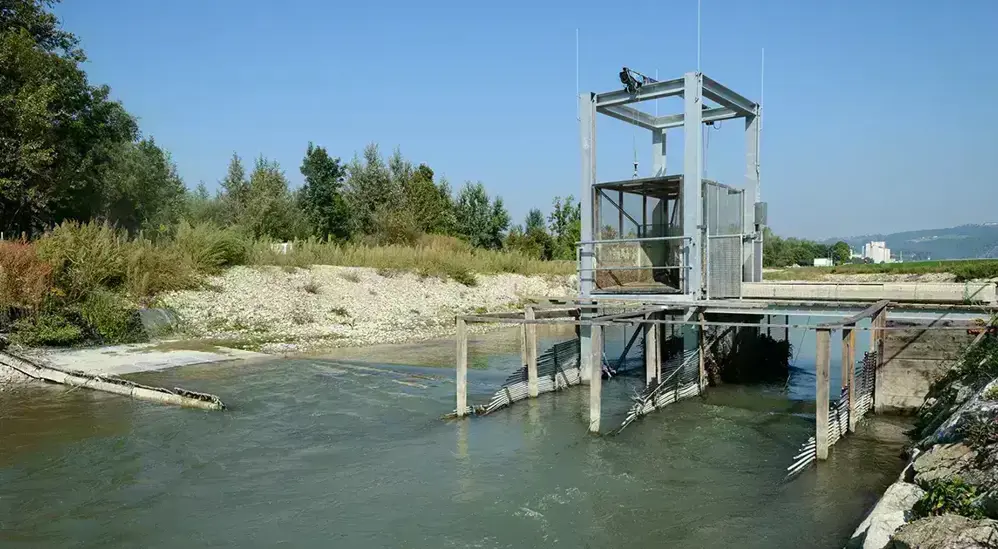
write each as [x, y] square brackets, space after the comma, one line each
[141, 357]
[910, 292]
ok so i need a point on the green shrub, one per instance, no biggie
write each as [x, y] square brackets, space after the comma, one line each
[113, 318]
[949, 496]
[210, 248]
[46, 330]
[460, 275]
[151, 269]
[84, 256]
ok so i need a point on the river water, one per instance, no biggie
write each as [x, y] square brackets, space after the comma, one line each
[352, 452]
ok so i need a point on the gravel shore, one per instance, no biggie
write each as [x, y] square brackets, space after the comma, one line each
[283, 311]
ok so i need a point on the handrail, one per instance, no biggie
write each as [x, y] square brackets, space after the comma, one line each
[644, 239]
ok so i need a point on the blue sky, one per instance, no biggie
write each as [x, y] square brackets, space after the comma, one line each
[868, 105]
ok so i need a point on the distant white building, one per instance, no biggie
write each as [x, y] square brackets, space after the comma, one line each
[878, 252]
[823, 262]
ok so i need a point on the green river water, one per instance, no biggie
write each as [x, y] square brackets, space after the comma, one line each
[352, 452]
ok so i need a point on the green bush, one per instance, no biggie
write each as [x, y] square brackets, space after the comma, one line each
[46, 330]
[210, 248]
[113, 318]
[151, 269]
[949, 496]
[460, 274]
[84, 256]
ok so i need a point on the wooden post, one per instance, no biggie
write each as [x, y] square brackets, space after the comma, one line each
[876, 336]
[531, 330]
[651, 346]
[596, 379]
[849, 372]
[659, 338]
[821, 392]
[462, 368]
[703, 351]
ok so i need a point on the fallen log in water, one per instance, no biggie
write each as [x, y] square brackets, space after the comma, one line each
[111, 384]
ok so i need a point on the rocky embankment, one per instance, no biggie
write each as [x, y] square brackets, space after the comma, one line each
[947, 498]
[280, 310]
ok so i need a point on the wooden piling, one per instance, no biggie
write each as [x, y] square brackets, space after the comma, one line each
[531, 344]
[462, 368]
[596, 379]
[876, 345]
[821, 392]
[703, 351]
[651, 346]
[849, 373]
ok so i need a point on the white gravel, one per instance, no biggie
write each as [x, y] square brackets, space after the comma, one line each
[277, 311]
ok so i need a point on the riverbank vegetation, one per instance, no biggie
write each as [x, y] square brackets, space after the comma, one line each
[95, 220]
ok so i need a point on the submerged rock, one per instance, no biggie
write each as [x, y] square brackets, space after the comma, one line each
[946, 532]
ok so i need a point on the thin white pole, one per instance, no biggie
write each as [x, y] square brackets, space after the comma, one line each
[578, 115]
[758, 130]
[698, 35]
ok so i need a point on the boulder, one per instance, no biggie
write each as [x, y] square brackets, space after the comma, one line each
[943, 461]
[946, 532]
[886, 517]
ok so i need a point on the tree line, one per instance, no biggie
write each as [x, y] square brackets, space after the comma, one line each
[784, 252]
[70, 152]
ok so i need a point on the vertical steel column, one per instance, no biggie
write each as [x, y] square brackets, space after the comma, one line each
[461, 379]
[693, 182]
[749, 198]
[658, 153]
[821, 382]
[531, 342]
[587, 277]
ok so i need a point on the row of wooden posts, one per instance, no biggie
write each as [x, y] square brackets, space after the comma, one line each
[651, 327]
[877, 313]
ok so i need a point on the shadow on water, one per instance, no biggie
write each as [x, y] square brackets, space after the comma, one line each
[323, 452]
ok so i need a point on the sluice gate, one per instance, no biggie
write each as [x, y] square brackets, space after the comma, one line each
[678, 258]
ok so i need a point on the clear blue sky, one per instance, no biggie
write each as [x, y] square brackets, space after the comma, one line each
[868, 104]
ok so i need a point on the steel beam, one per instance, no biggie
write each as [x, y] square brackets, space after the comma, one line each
[749, 198]
[708, 115]
[587, 127]
[692, 182]
[630, 115]
[647, 92]
[723, 95]
[657, 153]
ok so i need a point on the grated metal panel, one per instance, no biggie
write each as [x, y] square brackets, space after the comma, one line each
[723, 212]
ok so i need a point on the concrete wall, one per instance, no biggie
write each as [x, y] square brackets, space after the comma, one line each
[914, 358]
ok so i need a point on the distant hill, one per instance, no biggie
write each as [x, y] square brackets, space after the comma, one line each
[963, 242]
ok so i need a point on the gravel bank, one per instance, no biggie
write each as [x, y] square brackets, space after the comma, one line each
[283, 311]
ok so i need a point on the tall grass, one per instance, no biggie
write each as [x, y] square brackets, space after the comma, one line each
[431, 256]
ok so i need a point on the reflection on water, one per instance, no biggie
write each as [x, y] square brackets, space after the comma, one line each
[334, 453]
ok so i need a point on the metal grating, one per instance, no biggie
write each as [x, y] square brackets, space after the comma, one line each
[723, 212]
